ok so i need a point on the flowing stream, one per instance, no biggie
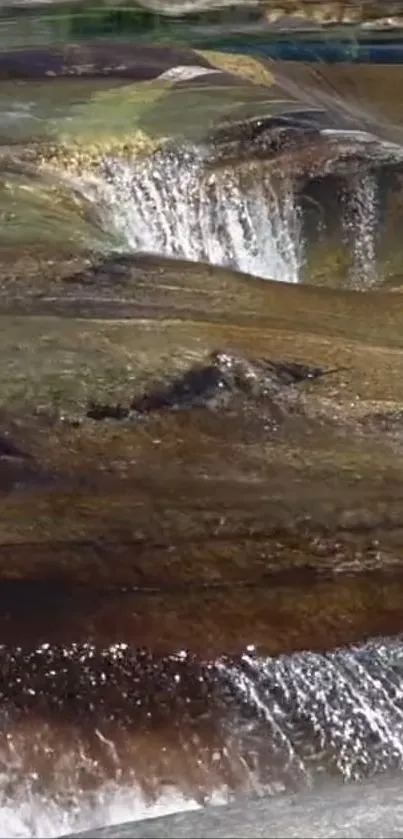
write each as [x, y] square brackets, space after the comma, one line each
[171, 206]
[100, 751]
[94, 734]
[168, 205]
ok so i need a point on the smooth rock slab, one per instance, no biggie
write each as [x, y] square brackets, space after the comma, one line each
[282, 488]
[372, 809]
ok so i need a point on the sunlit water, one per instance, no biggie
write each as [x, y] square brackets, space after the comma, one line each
[360, 219]
[273, 724]
[34, 815]
[171, 205]
[276, 724]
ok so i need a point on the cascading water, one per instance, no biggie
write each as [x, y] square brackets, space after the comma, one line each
[360, 218]
[34, 815]
[169, 204]
[285, 723]
[340, 712]
[172, 204]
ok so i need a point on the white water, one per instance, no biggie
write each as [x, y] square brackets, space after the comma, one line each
[360, 213]
[346, 705]
[41, 817]
[294, 719]
[170, 205]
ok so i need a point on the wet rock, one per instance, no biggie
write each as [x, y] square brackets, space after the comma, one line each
[214, 384]
[194, 720]
[190, 529]
[372, 808]
[261, 137]
[8, 449]
[92, 60]
[206, 386]
[208, 509]
[19, 472]
[305, 13]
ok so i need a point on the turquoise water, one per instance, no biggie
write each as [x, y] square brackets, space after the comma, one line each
[336, 50]
[82, 22]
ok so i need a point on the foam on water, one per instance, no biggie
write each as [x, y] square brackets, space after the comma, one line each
[30, 815]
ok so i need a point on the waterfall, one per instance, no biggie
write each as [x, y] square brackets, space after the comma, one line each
[281, 723]
[360, 219]
[340, 712]
[172, 205]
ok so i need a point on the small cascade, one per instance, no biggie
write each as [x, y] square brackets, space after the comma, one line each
[169, 204]
[360, 219]
[169, 733]
[337, 713]
[172, 204]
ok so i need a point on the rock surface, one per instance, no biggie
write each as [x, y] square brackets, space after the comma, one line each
[372, 809]
[292, 476]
